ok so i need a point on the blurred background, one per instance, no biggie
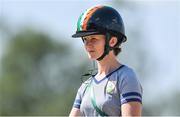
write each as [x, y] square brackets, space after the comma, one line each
[41, 65]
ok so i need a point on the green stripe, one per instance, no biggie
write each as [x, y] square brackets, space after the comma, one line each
[81, 19]
[79, 23]
[93, 101]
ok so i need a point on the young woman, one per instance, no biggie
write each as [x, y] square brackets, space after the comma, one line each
[114, 90]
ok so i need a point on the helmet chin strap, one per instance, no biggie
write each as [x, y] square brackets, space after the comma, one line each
[107, 48]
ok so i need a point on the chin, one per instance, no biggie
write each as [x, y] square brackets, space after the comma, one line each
[92, 57]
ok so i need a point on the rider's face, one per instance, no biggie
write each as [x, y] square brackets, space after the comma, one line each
[94, 45]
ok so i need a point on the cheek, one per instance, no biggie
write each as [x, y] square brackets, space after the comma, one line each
[100, 48]
[88, 47]
[85, 47]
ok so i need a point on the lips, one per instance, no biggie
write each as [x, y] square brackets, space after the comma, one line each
[90, 51]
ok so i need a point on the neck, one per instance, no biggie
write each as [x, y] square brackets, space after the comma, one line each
[108, 64]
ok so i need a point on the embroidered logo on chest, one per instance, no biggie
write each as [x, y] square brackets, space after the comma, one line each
[110, 87]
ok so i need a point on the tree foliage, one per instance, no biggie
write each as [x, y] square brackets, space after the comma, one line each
[36, 76]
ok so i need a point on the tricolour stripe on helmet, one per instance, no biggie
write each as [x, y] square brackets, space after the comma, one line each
[84, 18]
[79, 23]
[81, 19]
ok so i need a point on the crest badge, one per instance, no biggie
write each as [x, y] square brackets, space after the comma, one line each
[110, 87]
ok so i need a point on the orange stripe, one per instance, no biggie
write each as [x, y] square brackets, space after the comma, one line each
[88, 15]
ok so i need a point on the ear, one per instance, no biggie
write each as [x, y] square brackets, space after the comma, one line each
[113, 41]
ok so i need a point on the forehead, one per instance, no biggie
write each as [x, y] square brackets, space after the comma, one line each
[94, 36]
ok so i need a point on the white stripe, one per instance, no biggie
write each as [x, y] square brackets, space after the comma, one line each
[83, 17]
[77, 104]
[130, 97]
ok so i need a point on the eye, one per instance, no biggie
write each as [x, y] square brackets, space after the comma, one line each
[93, 40]
[83, 39]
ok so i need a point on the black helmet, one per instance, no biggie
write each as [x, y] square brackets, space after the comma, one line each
[99, 20]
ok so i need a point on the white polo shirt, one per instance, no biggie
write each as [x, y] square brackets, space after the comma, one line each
[117, 88]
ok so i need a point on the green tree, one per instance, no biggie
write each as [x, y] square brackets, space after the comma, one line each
[37, 76]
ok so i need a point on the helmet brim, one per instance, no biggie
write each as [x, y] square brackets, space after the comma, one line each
[83, 34]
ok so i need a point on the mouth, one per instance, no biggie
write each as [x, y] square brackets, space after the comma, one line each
[91, 51]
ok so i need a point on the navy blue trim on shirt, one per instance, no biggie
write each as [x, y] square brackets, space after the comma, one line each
[76, 106]
[131, 100]
[131, 97]
[97, 82]
[78, 101]
[131, 94]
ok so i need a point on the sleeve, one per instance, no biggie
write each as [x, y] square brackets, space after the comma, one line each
[77, 101]
[130, 88]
